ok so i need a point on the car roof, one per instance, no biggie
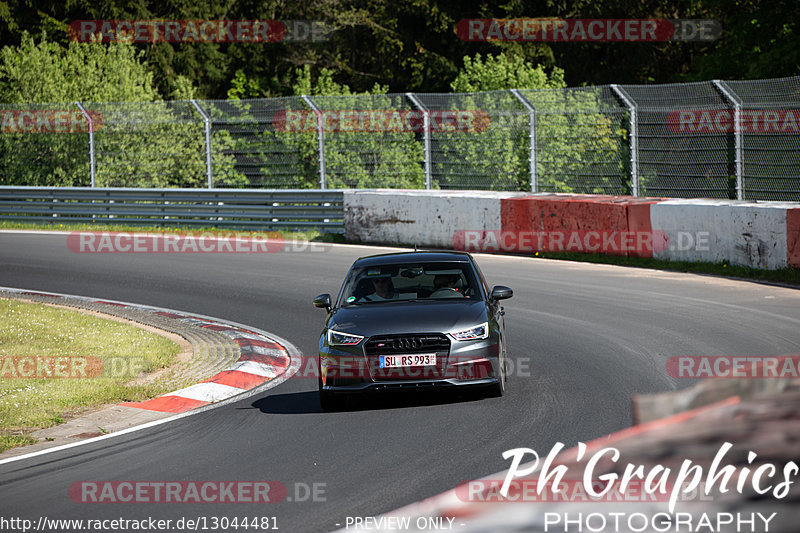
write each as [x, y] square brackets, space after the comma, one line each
[403, 257]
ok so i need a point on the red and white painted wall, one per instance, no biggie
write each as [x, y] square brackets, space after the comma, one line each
[756, 234]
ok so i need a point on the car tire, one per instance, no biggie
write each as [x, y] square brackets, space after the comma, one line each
[330, 402]
[496, 390]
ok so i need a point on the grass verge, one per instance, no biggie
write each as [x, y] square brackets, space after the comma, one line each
[789, 276]
[313, 236]
[56, 363]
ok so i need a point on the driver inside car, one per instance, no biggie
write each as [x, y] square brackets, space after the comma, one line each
[384, 290]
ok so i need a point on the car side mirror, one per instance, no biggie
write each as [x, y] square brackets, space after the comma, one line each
[499, 292]
[323, 300]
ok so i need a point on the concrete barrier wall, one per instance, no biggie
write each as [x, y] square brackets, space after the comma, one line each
[424, 218]
[742, 233]
[760, 235]
[793, 236]
[582, 223]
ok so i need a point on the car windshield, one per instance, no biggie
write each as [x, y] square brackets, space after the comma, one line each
[410, 281]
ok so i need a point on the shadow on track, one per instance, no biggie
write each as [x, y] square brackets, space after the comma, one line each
[308, 402]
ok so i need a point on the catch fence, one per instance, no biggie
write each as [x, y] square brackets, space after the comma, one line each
[714, 139]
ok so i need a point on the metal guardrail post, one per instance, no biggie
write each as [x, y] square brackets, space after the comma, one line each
[320, 140]
[426, 136]
[532, 133]
[92, 168]
[630, 103]
[738, 133]
[207, 124]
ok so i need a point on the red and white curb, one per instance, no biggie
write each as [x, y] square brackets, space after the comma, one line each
[263, 358]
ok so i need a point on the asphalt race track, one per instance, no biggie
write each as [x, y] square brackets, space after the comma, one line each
[591, 335]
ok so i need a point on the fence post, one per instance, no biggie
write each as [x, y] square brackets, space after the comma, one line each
[92, 168]
[738, 139]
[426, 135]
[320, 140]
[532, 134]
[207, 124]
[630, 103]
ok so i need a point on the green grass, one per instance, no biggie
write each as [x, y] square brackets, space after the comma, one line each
[80, 226]
[12, 441]
[787, 275]
[104, 356]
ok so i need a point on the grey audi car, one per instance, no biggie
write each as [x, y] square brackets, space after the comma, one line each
[412, 320]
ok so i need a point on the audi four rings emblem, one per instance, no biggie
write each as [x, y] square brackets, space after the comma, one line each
[402, 343]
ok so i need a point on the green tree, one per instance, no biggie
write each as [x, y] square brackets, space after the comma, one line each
[413, 46]
[352, 158]
[577, 144]
[148, 143]
[504, 71]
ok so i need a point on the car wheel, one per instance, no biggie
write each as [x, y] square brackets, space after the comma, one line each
[499, 388]
[330, 402]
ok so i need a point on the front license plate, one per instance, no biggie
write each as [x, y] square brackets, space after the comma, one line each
[403, 361]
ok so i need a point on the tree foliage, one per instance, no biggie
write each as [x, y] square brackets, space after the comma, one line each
[574, 135]
[48, 72]
[383, 48]
[146, 143]
[353, 158]
[413, 46]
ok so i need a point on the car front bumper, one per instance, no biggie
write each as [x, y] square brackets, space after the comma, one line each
[463, 364]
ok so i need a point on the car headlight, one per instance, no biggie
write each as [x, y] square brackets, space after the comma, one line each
[480, 331]
[346, 339]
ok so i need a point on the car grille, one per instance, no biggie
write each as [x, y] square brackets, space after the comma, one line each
[403, 344]
[407, 344]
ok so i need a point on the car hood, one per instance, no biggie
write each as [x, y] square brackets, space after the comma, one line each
[408, 317]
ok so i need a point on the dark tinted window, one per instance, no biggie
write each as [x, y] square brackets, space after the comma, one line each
[411, 281]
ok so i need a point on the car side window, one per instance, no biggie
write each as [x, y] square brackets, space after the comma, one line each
[480, 277]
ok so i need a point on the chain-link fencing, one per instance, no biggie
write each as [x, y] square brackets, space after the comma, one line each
[717, 139]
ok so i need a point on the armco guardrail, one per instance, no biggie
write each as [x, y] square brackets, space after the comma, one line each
[227, 208]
